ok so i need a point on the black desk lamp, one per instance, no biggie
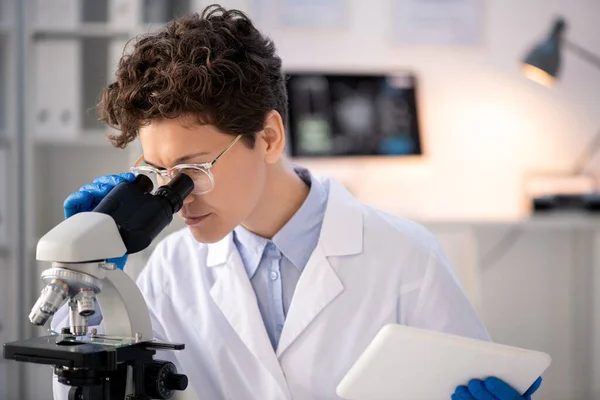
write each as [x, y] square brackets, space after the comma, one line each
[543, 65]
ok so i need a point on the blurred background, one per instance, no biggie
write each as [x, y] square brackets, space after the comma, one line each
[420, 107]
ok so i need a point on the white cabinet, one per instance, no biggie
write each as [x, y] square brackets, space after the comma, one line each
[540, 292]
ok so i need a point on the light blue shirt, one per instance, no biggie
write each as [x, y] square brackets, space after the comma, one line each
[274, 266]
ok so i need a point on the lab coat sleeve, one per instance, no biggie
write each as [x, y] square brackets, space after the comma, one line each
[439, 303]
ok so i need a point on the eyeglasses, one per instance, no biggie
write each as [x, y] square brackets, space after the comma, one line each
[203, 179]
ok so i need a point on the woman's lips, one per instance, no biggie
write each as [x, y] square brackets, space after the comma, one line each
[194, 220]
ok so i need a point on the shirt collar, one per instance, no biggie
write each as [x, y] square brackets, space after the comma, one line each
[251, 247]
[303, 227]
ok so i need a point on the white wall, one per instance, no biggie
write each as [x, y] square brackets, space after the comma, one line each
[484, 123]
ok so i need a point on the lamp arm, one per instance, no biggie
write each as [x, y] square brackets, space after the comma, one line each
[587, 55]
[587, 155]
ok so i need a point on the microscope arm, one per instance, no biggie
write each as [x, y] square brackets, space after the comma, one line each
[75, 241]
[124, 309]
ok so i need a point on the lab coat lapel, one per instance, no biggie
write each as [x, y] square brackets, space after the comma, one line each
[233, 294]
[319, 284]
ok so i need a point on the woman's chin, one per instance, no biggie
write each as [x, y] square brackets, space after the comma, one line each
[204, 234]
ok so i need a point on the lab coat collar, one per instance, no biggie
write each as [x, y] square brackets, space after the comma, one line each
[219, 252]
[318, 286]
[342, 231]
[233, 294]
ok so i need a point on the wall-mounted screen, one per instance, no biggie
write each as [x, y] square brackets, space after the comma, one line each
[352, 115]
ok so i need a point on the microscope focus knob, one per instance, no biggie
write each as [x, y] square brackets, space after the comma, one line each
[177, 382]
[162, 380]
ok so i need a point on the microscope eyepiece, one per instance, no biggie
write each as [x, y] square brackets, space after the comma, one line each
[176, 191]
[141, 215]
[144, 183]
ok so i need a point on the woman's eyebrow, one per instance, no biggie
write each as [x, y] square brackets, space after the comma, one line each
[179, 160]
[153, 165]
[183, 159]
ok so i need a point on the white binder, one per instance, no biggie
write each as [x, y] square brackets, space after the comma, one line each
[56, 14]
[124, 14]
[58, 88]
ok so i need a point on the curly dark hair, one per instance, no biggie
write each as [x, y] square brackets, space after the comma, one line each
[215, 66]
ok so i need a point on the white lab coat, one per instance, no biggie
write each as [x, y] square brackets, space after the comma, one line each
[368, 269]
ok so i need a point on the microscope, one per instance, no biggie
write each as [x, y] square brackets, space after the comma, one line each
[119, 363]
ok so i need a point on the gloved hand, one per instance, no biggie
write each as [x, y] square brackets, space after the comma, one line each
[493, 389]
[90, 195]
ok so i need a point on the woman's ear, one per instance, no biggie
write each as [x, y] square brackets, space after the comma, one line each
[273, 136]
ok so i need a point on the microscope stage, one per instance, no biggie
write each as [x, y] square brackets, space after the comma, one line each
[66, 351]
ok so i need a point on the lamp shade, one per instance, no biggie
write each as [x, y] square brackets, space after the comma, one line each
[542, 62]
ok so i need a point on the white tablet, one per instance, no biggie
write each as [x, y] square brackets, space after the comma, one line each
[405, 363]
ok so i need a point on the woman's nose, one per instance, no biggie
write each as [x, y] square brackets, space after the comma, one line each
[188, 199]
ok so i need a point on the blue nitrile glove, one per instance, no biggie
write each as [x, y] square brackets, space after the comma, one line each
[90, 195]
[493, 389]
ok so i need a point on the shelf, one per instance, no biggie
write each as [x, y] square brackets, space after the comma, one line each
[88, 139]
[86, 30]
[557, 220]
